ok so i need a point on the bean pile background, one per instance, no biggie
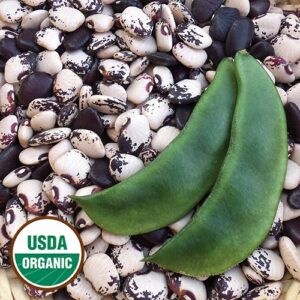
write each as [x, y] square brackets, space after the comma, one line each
[92, 91]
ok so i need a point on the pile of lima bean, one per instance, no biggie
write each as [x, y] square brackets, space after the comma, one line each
[92, 96]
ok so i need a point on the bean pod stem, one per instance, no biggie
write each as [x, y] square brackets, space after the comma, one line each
[237, 215]
[180, 177]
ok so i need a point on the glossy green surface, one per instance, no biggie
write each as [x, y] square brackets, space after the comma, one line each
[182, 174]
[237, 215]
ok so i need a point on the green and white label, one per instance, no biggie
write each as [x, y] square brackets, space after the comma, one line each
[47, 253]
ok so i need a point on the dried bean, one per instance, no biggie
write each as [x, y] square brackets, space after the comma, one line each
[239, 36]
[8, 48]
[222, 22]
[9, 159]
[89, 119]
[36, 85]
[290, 229]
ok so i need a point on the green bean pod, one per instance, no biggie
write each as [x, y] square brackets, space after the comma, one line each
[237, 215]
[182, 174]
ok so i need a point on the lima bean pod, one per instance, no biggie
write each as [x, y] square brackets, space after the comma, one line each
[192, 161]
[225, 230]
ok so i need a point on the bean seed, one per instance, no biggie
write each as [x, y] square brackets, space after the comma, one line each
[153, 10]
[26, 41]
[108, 281]
[89, 119]
[185, 91]
[61, 192]
[270, 291]
[76, 39]
[122, 166]
[67, 86]
[9, 159]
[15, 216]
[76, 174]
[281, 70]
[108, 52]
[89, 6]
[38, 105]
[66, 18]
[16, 176]
[88, 142]
[82, 220]
[100, 22]
[89, 235]
[203, 10]
[267, 263]
[277, 223]
[113, 90]
[189, 57]
[193, 36]
[100, 174]
[98, 246]
[77, 61]
[163, 34]
[32, 197]
[239, 36]
[242, 6]
[114, 70]
[47, 185]
[34, 155]
[41, 171]
[157, 111]
[161, 58]
[101, 41]
[183, 285]
[293, 116]
[258, 8]
[50, 136]
[151, 283]
[8, 47]
[49, 62]
[13, 11]
[85, 93]
[49, 38]
[283, 45]
[294, 198]
[290, 256]
[36, 85]
[125, 56]
[80, 287]
[33, 19]
[290, 25]
[128, 258]
[252, 276]
[290, 229]
[19, 66]
[111, 149]
[4, 237]
[67, 114]
[109, 121]
[8, 131]
[7, 99]
[138, 66]
[107, 104]
[140, 89]
[222, 22]
[140, 46]
[134, 135]
[180, 12]
[183, 113]
[261, 50]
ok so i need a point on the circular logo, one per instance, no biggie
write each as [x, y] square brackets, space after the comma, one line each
[47, 253]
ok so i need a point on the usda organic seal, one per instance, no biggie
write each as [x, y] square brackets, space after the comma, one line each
[47, 253]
